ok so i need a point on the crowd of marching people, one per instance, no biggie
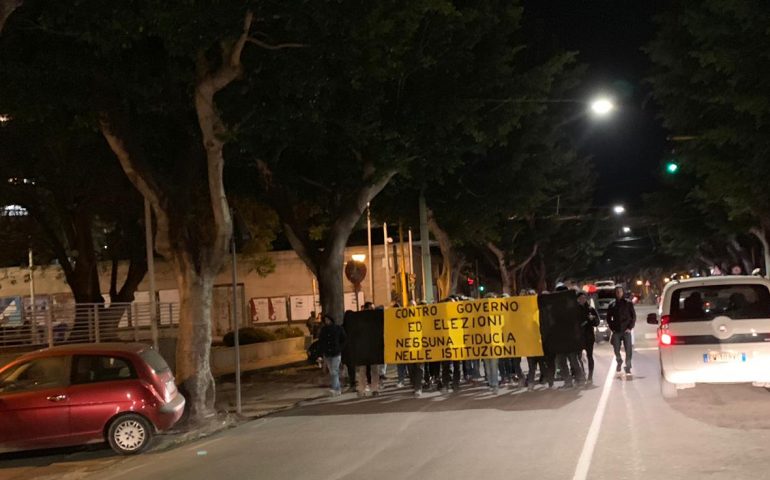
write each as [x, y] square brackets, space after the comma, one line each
[571, 369]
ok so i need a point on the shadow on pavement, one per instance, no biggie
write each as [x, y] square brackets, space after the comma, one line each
[739, 406]
[477, 397]
[41, 458]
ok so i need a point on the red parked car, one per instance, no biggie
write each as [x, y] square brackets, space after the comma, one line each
[77, 394]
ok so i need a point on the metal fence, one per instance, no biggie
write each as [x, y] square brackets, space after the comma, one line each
[88, 323]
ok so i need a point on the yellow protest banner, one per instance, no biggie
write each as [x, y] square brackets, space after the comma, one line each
[477, 329]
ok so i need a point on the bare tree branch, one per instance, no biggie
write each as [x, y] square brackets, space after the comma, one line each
[141, 178]
[7, 7]
[279, 46]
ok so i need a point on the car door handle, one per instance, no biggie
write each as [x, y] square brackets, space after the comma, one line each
[57, 398]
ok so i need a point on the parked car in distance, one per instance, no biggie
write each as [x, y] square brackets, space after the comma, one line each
[714, 330]
[122, 393]
[604, 297]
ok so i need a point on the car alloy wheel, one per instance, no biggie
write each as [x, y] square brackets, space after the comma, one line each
[130, 434]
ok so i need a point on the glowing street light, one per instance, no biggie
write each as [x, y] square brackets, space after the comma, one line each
[602, 106]
[619, 209]
[4, 118]
[626, 229]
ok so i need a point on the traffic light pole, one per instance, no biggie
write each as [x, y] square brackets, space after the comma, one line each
[427, 269]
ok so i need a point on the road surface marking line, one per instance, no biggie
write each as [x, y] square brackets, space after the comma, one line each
[199, 445]
[645, 349]
[125, 471]
[650, 336]
[584, 463]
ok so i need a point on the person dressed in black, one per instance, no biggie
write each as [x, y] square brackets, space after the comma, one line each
[590, 321]
[621, 318]
[332, 340]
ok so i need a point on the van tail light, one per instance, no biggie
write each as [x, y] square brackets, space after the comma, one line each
[664, 337]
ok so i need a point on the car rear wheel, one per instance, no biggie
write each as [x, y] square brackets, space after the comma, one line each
[129, 434]
[667, 389]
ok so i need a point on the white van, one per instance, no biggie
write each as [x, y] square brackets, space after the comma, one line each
[714, 330]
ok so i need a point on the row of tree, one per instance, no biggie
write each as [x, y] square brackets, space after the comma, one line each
[299, 113]
[709, 61]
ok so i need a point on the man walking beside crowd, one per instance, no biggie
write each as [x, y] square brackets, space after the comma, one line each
[621, 318]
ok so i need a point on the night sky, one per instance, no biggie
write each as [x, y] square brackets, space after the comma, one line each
[609, 35]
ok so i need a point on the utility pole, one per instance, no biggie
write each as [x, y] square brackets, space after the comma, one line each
[236, 326]
[427, 268]
[371, 256]
[386, 246]
[402, 267]
[411, 268]
[151, 272]
[33, 322]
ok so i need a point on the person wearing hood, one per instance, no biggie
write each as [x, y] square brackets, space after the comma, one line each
[332, 340]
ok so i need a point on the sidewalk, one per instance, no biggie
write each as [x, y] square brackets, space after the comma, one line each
[262, 392]
[267, 391]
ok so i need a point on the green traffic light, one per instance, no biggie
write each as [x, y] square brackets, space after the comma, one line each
[481, 288]
[672, 167]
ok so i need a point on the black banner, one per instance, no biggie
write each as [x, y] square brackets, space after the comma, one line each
[365, 344]
[560, 319]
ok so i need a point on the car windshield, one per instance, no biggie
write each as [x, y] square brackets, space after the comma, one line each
[705, 303]
[606, 294]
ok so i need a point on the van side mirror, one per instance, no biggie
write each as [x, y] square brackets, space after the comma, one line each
[652, 318]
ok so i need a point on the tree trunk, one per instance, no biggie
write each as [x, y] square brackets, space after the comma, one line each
[331, 285]
[327, 265]
[193, 372]
[542, 281]
[507, 280]
[451, 263]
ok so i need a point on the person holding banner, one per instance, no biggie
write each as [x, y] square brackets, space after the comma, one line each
[590, 321]
[572, 355]
[332, 339]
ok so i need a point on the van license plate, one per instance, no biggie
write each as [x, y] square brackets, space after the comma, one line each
[723, 357]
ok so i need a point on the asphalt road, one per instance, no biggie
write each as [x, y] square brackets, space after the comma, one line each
[617, 429]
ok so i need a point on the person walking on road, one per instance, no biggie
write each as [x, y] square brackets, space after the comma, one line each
[590, 321]
[332, 339]
[621, 318]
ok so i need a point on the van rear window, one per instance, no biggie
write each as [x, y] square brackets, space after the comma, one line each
[155, 360]
[739, 302]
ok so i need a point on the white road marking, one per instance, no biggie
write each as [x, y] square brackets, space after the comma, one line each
[198, 446]
[584, 463]
[650, 336]
[646, 349]
[124, 471]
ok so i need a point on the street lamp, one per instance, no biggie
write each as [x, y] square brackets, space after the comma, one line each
[602, 106]
[626, 229]
[4, 118]
[619, 209]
